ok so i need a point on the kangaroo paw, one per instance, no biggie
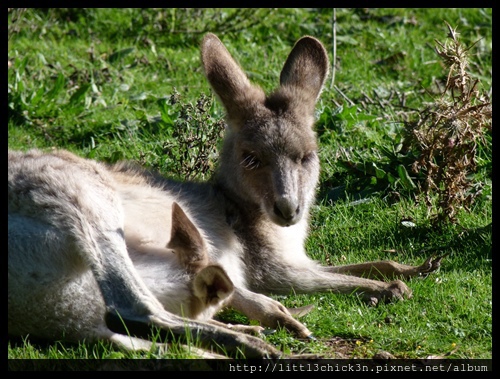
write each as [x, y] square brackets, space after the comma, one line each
[212, 337]
[395, 290]
[430, 265]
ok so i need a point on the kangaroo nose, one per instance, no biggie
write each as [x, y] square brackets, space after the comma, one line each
[286, 209]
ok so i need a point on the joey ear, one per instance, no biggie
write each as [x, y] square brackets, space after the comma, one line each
[186, 240]
[212, 285]
[227, 79]
[306, 68]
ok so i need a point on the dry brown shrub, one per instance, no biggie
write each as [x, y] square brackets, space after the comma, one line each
[447, 134]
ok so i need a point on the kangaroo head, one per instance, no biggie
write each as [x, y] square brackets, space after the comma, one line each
[210, 284]
[269, 157]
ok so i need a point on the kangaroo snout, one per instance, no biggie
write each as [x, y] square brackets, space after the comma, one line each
[287, 209]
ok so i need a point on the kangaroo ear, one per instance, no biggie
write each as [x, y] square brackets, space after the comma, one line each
[186, 240]
[227, 79]
[306, 68]
[212, 285]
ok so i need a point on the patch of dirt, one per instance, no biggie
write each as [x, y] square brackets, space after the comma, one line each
[353, 348]
[344, 348]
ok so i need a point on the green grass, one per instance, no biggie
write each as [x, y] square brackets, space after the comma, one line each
[99, 82]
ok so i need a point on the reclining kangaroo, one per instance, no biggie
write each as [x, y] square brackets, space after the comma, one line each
[64, 216]
[253, 214]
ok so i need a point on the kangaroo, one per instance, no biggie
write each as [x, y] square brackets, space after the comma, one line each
[71, 277]
[255, 209]
[253, 214]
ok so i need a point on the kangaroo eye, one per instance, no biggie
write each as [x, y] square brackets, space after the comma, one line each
[250, 161]
[307, 157]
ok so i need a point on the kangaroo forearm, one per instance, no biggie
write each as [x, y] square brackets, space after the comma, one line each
[375, 270]
[385, 270]
[314, 279]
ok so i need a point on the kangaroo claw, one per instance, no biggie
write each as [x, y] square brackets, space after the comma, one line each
[301, 311]
[430, 265]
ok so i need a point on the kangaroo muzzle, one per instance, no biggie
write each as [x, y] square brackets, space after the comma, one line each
[288, 209]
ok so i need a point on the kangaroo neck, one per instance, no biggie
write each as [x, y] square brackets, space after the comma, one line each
[238, 209]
